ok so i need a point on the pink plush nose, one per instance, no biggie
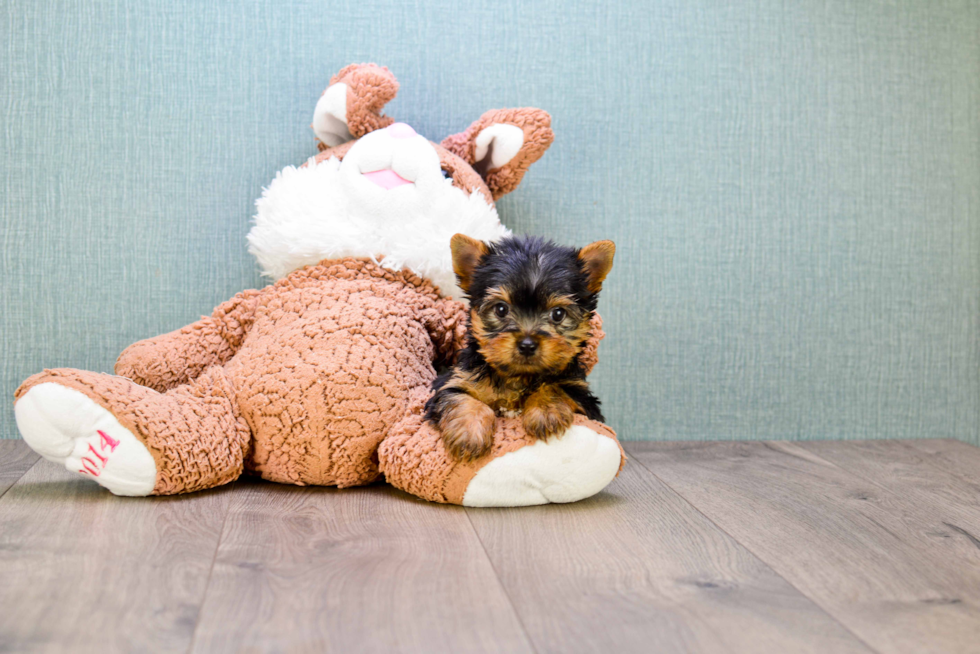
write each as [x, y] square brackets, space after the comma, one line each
[401, 131]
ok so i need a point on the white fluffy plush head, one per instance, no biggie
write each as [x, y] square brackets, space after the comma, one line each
[381, 191]
[387, 200]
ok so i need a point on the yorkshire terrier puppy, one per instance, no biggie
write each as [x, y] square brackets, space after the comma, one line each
[530, 306]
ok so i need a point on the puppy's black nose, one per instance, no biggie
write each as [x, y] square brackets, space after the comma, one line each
[527, 346]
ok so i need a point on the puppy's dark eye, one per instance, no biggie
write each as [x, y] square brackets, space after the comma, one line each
[557, 315]
[448, 174]
[501, 310]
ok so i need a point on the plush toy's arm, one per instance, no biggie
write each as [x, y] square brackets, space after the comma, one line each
[446, 324]
[163, 362]
[413, 456]
[590, 355]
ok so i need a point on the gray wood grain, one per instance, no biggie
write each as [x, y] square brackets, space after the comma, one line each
[85, 571]
[637, 569]
[860, 551]
[359, 570]
[15, 459]
[717, 547]
[931, 496]
[955, 457]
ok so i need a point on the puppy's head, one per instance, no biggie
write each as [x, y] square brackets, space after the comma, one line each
[530, 300]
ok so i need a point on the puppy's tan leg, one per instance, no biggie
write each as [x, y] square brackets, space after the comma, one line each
[467, 426]
[548, 412]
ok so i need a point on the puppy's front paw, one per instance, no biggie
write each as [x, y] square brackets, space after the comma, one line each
[542, 421]
[467, 428]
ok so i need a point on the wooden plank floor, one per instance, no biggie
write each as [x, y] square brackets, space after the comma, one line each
[829, 546]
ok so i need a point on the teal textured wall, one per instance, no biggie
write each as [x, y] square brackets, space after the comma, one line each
[794, 187]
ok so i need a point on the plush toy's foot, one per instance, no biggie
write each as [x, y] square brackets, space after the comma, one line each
[573, 467]
[68, 428]
[518, 471]
[131, 439]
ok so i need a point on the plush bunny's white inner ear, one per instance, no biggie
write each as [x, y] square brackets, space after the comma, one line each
[503, 142]
[330, 116]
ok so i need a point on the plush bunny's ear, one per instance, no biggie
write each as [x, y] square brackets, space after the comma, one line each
[502, 144]
[351, 106]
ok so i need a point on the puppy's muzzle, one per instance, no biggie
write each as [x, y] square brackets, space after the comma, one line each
[527, 346]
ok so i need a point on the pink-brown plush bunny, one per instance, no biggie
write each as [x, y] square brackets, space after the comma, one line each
[320, 377]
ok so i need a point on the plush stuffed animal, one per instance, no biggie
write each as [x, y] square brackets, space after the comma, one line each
[321, 377]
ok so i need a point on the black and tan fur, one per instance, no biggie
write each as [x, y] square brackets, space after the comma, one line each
[531, 303]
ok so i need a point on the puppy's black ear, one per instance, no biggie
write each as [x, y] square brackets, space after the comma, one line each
[467, 253]
[597, 260]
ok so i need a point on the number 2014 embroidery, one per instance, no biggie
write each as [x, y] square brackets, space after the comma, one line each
[95, 466]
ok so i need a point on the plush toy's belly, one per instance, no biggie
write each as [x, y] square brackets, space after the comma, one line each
[324, 374]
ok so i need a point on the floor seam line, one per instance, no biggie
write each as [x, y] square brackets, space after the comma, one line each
[886, 487]
[214, 559]
[854, 473]
[926, 458]
[896, 492]
[758, 558]
[500, 582]
[22, 475]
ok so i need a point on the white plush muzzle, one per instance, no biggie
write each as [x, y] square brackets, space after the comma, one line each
[358, 208]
